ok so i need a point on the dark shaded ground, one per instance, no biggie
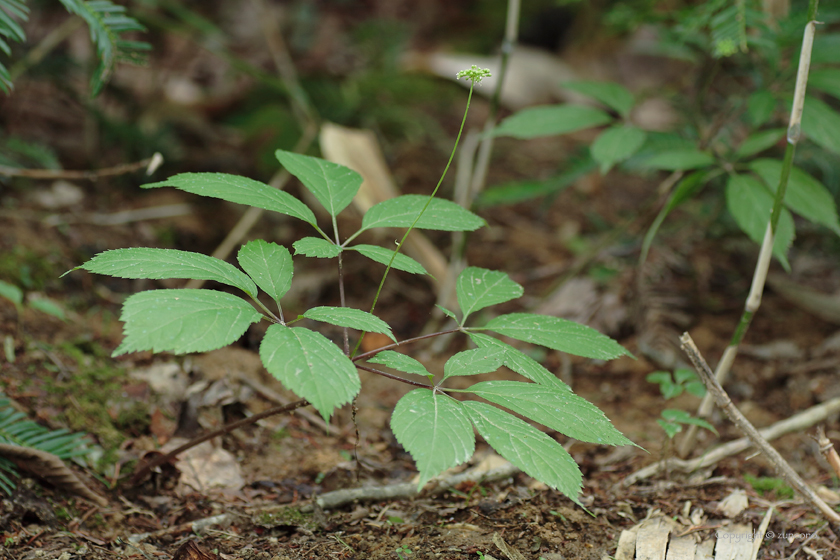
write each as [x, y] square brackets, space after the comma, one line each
[63, 376]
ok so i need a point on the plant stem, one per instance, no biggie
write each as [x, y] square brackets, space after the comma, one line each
[403, 343]
[394, 377]
[765, 254]
[429, 201]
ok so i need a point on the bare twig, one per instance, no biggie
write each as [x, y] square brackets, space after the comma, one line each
[782, 467]
[828, 451]
[279, 399]
[160, 460]
[338, 498]
[53, 174]
[796, 423]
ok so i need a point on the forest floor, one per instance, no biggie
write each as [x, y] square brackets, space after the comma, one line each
[249, 494]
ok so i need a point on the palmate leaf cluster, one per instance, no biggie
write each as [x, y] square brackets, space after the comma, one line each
[105, 20]
[433, 426]
[17, 429]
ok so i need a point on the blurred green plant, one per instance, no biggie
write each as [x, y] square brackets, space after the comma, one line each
[727, 137]
[107, 23]
[435, 428]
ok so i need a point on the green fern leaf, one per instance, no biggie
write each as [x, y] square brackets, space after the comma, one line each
[16, 429]
[107, 21]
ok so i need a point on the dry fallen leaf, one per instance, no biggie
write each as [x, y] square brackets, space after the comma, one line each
[191, 551]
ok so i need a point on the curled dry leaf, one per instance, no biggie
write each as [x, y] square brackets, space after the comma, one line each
[191, 551]
[50, 468]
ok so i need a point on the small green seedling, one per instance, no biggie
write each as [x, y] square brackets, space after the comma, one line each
[403, 549]
[682, 380]
[433, 426]
[672, 420]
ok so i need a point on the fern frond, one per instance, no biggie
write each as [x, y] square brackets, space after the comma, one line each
[10, 30]
[107, 21]
[16, 429]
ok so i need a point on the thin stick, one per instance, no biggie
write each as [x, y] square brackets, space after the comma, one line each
[723, 401]
[828, 451]
[53, 174]
[158, 461]
[796, 423]
[762, 266]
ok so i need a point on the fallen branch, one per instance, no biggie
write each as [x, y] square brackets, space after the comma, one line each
[338, 498]
[795, 423]
[724, 403]
[151, 164]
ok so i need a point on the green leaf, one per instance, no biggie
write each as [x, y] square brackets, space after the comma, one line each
[48, 306]
[820, 124]
[311, 366]
[554, 408]
[519, 362]
[239, 190]
[681, 375]
[679, 160]
[804, 195]
[350, 318]
[383, 256]
[520, 191]
[399, 362]
[11, 292]
[826, 49]
[478, 288]
[446, 312]
[658, 377]
[826, 80]
[551, 120]
[473, 362]
[145, 262]
[683, 417]
[696, 388]
[316, 247]
[613, 95]
[269, 264]
[615, 145]
[183, 321]
[758, 142]
[401, 211]
[671, 428]
[760, 107]
[332, 184]
[537, 454]
[751, 204]
[557, 334]
[435, 430]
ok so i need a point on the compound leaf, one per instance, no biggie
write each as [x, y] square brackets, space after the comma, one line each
[401, 211]
[518, 361]
[399, 362]
[554, 408]
[310, 366]
[478, 288]
[316, 247]
[350, 318]
[147, 262]
[613, 95]
[804, 195]
[269, 264]
[383, 256]
[182, 321]
[332, 184]
[557, 334]
[473, 362]
[751, 204]
[551, 120]
[435, 430]
[616, 144]
[531, 450]
[239, 190]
